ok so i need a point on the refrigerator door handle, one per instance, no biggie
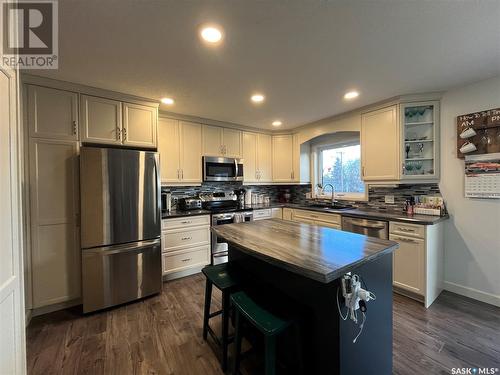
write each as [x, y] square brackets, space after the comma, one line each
[121, 249]
[158, 183]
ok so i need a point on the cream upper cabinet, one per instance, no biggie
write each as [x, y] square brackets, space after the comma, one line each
[282, 151]
[231, 142]
[52, 113]
[250, 157]
[219, 141]
[257, 156]
[139, 125]
[190, 152]
[100, 120]
[264, 157]
[169, 149]
[55, 249]
[212, 140]
[380, 145]
[107, 121]
[179, 145]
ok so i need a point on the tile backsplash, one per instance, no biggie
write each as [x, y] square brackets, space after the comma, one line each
[298, 193]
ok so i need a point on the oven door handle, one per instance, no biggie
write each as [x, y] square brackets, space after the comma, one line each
[236, 169]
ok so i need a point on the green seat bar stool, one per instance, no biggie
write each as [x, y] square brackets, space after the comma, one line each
[219, 276]
[268, 324]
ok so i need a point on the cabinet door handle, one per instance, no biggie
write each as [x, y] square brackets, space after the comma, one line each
[118, 134]
[182, 174]
[363, 171]
[74, 127]
[186, 260]
[178, 175]
[124, 134]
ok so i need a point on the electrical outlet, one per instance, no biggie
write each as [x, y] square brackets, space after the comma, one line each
[389, 199]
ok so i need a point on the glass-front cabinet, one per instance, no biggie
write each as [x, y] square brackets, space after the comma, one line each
[420, 140]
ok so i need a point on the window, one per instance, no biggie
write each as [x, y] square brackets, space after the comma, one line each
[340, 165]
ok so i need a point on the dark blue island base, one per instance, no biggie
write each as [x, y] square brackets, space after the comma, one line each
[327, 340]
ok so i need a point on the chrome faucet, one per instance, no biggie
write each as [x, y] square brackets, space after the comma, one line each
[333, 193]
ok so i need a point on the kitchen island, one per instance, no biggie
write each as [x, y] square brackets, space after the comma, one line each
[300, 265]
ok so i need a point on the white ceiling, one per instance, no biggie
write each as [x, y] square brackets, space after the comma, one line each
[303, 55]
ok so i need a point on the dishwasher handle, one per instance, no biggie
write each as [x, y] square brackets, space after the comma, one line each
[365, 224]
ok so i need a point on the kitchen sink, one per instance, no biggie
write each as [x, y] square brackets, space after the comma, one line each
[336, 206]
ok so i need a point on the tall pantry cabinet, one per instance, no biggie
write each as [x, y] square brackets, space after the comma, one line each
[54, 199]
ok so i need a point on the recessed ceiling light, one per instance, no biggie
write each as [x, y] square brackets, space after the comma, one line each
[257, 98]
[351, 95]
[277, 123]
[167, 101]
[211, 34]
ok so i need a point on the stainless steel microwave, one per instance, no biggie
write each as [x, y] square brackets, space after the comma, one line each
[222, 169]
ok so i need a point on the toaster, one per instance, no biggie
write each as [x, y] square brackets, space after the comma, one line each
[186, 204]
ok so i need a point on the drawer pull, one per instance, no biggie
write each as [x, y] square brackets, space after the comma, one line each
[186, 260]
[407, 240]
[406, 230]
[185, 238]
[315, 216]
[186, 222]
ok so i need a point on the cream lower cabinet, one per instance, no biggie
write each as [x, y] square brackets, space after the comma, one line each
[52, 113]
[225, 142]
[107, 121]
[287, 214]
[380, 145]
[185, 245]
[179, 145]
[54, 230]
[317, 218]
[418, 262]
[257, 156]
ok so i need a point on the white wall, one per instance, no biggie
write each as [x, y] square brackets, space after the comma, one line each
[472, 235]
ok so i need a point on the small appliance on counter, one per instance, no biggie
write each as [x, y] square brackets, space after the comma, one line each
[241, 195]
[189, 203]
[166, 201]
[248, 197]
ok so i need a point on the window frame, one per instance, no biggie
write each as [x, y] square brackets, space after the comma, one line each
[318, 173]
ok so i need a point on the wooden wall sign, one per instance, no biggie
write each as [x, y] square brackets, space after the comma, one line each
[478, 133]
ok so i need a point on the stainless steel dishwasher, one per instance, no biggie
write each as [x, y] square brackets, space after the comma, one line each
[372, 228]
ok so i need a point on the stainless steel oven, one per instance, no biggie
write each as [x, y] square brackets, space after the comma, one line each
[222, 169]
[219, 247]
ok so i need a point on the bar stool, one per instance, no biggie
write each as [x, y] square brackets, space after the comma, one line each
[268, 324]
[218, 275]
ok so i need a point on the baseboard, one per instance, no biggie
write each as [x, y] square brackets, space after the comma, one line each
[27, 317]
[56, 307]
[178, 275]
[479, 295]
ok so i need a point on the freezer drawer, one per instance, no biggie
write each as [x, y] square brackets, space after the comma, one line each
[117, 274]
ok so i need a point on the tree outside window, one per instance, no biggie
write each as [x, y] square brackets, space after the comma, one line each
[341, 167]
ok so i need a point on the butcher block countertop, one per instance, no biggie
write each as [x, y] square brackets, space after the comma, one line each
[319, 253]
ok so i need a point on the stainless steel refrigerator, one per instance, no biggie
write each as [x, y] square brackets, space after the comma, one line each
[120, 226]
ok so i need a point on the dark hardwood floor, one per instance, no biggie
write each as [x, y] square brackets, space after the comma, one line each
[162, 335]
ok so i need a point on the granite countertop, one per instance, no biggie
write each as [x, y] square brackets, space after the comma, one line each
[355, 212]
[180, 213]
[319, 253]
[362, 213]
